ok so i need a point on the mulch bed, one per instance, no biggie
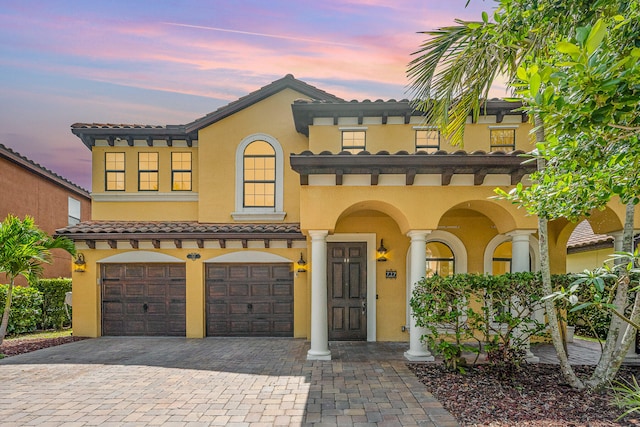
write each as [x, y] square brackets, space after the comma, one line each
[20, 346]
[533, 395]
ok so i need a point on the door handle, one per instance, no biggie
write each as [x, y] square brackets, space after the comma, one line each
[249, 306]
[364, 306]
[145, 307]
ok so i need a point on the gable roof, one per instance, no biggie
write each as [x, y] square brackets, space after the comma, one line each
[89, 132]
[287, 82]
[36, 169]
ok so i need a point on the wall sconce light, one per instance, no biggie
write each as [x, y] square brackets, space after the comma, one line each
[302, 264]
[382, 252]
[79, 264]
[193, 256]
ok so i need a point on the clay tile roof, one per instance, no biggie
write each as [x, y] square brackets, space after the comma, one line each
[18, 159]
[584, 238]
[186, 230]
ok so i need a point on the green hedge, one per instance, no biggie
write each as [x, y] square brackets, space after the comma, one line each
[26, 308]
[53, 292]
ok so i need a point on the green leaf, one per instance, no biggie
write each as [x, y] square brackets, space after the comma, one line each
[474, 25]
[568, 48]
[582, 33]
[596, 36]
[581, 306]
[485, 17]
[534, 84]
[522, 74]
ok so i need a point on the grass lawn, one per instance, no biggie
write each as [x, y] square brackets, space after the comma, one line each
[40, 334]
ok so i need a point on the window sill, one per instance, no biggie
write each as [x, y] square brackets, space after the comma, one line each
[258, 216]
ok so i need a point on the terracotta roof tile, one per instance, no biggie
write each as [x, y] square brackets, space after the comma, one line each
[583, 236]
[104, 229]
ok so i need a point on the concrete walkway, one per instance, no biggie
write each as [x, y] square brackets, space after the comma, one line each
[213, 381]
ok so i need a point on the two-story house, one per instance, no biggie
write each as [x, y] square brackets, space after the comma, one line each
[27, 188]
[292, 212]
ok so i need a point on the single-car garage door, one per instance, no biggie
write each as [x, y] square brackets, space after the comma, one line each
[143, 299]
[249, 300]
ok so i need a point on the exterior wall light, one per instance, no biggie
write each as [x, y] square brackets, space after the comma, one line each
[382, 252]
[302, 264]
[193, 256]
[79, 264]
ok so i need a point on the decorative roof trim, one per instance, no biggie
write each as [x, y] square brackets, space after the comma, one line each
[477, 163]
[305, 111]
[33, 167]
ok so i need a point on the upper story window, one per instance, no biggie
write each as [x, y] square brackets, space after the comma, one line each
[503, 139]
[353, 141]
[114, 171]
[259, 175]
[428, 140]
[259, 179]
[181, 171]
[74, 211]
[148, 171]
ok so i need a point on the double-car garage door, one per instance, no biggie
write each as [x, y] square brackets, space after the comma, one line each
[241, 299]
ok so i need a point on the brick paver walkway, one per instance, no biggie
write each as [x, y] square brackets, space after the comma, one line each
[213, 381]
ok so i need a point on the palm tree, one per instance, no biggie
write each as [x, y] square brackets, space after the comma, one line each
[23, 250]
[456, 66]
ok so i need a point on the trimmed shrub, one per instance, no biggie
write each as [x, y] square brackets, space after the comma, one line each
[53, 292]
[26, 309]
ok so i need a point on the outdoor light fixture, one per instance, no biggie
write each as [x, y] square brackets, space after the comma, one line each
[382, 252]
[302, 264]
[193, 256]
[79, 264]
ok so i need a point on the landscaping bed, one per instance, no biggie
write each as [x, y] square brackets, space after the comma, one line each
[15, 346]
[533, 395]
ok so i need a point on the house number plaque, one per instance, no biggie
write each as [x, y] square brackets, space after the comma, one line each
[391, 274]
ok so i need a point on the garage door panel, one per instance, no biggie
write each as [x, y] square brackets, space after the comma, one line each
[156, 290]
[238, 308]
[249, 300]
[143, 300]
[238, 289]
[281, 271]
[261, 290]
[238, 272]
[133, 271]
[259, 272]
[261, 308]
[282, 289]
[282, 308]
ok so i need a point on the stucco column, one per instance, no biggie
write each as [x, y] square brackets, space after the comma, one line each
[319, 325]
[418, 253]
[520, 262]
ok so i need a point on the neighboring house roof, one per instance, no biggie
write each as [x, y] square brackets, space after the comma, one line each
[584, 239]
[134, 231]
[89, 132]
[478, 163]
[33, 167]
[305, 111]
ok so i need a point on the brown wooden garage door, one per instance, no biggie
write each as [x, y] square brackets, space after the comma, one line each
[143, 299]
[249, 300]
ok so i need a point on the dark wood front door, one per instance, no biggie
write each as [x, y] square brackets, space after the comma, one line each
[249, 300]
[144, 299]
[347, 298]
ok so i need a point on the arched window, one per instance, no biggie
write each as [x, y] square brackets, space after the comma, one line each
[259, 179]
[259, 175]
[440, 260]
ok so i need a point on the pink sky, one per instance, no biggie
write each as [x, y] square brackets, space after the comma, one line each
[159, 62]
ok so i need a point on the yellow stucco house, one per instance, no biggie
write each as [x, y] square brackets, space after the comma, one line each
[292, 212]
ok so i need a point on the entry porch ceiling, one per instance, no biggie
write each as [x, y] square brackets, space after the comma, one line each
[478, 163]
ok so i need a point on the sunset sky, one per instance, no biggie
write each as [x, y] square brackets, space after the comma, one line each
[170, 62]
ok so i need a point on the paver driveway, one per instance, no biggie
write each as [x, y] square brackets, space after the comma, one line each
[213, 381]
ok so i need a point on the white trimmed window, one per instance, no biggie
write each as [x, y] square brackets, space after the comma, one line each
[428, 140]
[259, 179]
[74, 211]
[353, 141]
